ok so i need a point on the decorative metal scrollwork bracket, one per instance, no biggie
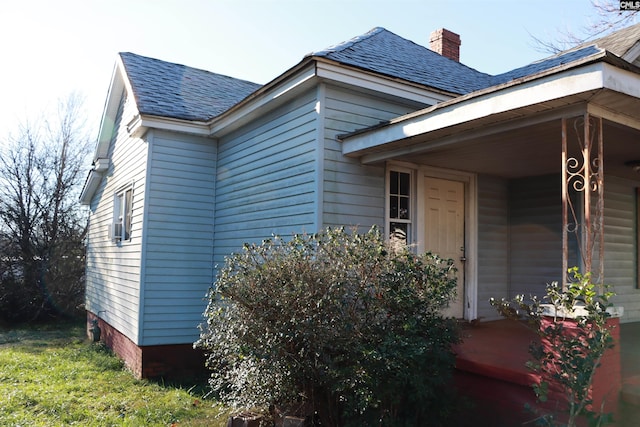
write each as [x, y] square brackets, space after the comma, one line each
[583, 195]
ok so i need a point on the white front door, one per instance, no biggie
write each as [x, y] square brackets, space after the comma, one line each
[444, 230]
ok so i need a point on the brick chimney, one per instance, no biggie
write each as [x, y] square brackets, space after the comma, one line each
[446, 43]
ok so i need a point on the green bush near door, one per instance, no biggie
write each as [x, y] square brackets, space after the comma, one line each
[339, 326]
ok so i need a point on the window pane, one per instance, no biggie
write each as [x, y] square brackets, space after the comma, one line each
[404, 208]
[127, 215]
[404, 184]
[393, 206]
[116, 225]
[117, 208]
[393, 182]
[398, 232]
[399, 207]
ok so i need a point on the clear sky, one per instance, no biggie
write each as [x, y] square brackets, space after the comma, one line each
[52, 48]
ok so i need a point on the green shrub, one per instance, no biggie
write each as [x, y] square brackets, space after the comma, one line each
[44, 287]
[338, 323]
[574, 336]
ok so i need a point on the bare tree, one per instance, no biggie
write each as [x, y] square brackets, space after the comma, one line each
[41, 223]
[608, 18]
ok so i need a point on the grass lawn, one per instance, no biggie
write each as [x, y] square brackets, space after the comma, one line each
[53, 376]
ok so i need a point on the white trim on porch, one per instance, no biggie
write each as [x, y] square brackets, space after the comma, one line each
[497, 105]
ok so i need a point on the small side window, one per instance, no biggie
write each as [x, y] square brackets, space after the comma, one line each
[122, 211]
[399, 206]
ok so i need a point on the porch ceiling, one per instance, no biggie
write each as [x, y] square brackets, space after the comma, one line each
[526, 141]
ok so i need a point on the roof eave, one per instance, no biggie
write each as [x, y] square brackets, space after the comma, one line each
[304, 74]
[93, 181]
[486, 91]
[142, 122]
[109, 111]
[393, 86]
[442, 93]
[294, 79]
[561, 82]
[105, 131]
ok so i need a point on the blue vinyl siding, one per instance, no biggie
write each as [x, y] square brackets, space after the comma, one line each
[354, 194]
[178, 268]
[493, 243]
[535, 234]
[265, 182]
[113, 270]
[621, 252]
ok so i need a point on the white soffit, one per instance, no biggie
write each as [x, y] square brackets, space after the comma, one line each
[514, 96]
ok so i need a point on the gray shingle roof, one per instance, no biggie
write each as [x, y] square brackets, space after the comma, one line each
[619, 42]
[384, 52]
[173, 90]
[545, 64]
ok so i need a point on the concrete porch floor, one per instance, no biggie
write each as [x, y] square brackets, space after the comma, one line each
[491, 368]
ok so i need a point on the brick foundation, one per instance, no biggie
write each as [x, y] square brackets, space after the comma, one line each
[174, 362]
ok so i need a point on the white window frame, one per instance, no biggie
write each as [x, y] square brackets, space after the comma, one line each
[410, 221]
[120, 230]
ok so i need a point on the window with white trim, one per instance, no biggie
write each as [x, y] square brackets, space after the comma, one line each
[399, 201]
[122, 211]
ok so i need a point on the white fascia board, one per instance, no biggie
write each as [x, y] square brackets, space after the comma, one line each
[246, 108]
[623, 81]
[404, 150]
[370, 81]
[512, 97]
[105, 133]
[140, 124]
[110, 111]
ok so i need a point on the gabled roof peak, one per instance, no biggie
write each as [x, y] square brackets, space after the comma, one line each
[383, 52]
[348, 43]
